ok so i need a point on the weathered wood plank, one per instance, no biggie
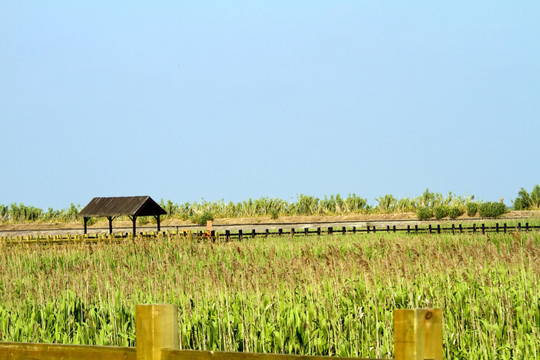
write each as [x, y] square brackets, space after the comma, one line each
[156, 329]
[170, 354]
[31, 351]
[418, 334]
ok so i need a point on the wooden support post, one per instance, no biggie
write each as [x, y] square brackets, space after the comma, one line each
[438, 228]
[209, 224]
[319, 231]
[418, 334]
[416, 228]
[227, 235]
[460, 228]
[505, 228]
[387, 228]
[394, 228]
[292, 231]
[134, 219]
[367, 229]
[253, 233]
[86, 225]
[330, 230]
[453, 229]
[158, 220]
[156, 329]
[408, 229]
[483, 228]
[306, 231]
[344, 230]
[110, 218]
[240, 234]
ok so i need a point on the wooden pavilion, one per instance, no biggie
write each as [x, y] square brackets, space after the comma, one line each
[131, 206]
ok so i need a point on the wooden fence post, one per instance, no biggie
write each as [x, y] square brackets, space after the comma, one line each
[156, 329]
[418, 334]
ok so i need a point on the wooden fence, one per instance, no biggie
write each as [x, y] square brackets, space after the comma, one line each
[430, 229]
[240, 234]
[417, 336]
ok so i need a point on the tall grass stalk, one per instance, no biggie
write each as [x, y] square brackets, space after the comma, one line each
[330, 295]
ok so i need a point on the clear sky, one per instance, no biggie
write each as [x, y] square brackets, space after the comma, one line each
[243, 99]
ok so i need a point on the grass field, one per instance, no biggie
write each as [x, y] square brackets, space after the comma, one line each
[329, 295]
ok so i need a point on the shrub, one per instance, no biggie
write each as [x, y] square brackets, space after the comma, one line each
[526, 201]
[274, 214]
[424, 213]
[203, 218]
[472, 209]
[455, 212]
[440, 211]
[491, 209]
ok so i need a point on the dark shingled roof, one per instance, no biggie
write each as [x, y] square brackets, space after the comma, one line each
[122, 205]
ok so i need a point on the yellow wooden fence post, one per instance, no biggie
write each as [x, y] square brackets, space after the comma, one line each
[156, 329]
[418, 334]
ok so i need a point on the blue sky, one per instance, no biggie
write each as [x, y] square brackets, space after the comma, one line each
[236, 100]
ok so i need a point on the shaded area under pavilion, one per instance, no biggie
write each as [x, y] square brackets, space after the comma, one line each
[130, 206]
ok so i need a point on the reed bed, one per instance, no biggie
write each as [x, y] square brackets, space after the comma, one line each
[328, 295]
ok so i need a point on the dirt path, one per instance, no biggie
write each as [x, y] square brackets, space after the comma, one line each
[248, 224]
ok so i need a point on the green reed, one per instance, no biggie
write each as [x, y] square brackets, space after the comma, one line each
[329, 295]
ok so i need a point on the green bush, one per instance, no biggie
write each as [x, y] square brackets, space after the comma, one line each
[491, 209]
[526, 201]
[202, 218]
[440, 211]
[472, 209]
[274, 214]
[424, 213]
[455, 212]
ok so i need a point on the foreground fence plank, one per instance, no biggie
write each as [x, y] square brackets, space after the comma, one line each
[156, 329]
[418, 334]
[170, 354]
[27, 351]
